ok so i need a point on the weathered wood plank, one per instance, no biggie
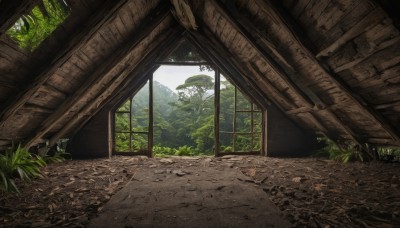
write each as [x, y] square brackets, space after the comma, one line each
[95, 105]
[366, 23]
[98, 78]
[80, 37]
[357, 101]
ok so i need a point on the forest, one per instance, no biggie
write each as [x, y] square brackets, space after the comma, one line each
[184, 121]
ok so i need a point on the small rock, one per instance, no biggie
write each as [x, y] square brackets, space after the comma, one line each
[179, 173]
[166, 161]
[159, 171]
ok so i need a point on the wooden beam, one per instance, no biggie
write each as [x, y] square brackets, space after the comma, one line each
[368, 22]
[284, 18]
[242, 24]
[54, 92]
[298, 110]
[387, 105]
[37, 108]
[99, 77]
[131, 73]
[79, 39]
[230, 13]
[381, 46]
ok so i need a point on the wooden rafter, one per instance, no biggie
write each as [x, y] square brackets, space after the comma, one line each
[101, 75]
[285, 19]
[286, 72]
[78, 40]
[131, 75]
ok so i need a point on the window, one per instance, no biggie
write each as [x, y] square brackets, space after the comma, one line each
[32, 28]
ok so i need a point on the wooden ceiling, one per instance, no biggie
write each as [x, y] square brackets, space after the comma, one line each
[332, 66]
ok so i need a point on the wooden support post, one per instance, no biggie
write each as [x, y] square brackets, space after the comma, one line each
[217, 87]
[150, 134]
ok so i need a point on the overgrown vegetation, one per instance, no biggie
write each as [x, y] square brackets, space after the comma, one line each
[19, 163]
[349, 152]
[32, 28]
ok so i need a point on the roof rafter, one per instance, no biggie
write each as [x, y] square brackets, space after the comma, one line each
[287, 22]
[131, 74]
[79, 39]
[101, 75]
[258, 41]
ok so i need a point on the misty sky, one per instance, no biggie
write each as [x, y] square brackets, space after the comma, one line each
[172, 76]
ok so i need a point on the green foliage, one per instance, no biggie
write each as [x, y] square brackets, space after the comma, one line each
[18, 163]
[185, 120]
[60, 153]
[347, 153]
[389, 154]
[31, 29]
[184, 151]
[160, 151]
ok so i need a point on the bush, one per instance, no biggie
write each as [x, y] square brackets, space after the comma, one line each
[18, 163]
[160, 151]
[347, 153]
[184, 151]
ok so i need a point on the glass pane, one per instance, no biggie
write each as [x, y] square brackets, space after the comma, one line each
[226, 142]
[227, 97]
[257, 141]
[140, 110]
[122, 142]
[243, 142]
[121, 122]
[139, 142]
[257, 121]
[241, 102]
[124, 107]
[243, 122]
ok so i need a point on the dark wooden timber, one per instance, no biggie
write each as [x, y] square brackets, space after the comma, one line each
[97, 103]
[100, 75]
[79, 39]
[280, 15]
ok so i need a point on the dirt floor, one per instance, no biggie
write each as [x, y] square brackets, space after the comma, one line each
[311, 192]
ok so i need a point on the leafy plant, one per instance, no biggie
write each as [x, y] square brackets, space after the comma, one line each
[389, 154]
[18, 163]
[347, 152]
[32, 28]
[184, 151]
[160, 151]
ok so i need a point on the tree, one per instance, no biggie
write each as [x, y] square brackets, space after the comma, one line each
[193, 94]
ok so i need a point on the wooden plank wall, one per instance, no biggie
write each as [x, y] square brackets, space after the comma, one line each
[360, 43]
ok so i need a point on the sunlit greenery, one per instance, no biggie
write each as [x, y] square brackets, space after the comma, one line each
[31, 29]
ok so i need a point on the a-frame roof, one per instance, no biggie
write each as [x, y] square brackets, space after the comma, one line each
[331, 66]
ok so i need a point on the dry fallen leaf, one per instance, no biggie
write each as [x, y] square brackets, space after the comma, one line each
[296, 179]
[318, 187]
